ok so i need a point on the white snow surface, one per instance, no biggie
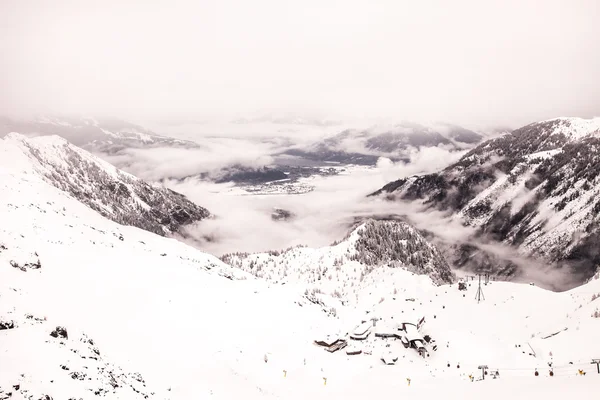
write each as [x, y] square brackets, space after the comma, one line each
[52, 148]
[576, 128]
[168, 321]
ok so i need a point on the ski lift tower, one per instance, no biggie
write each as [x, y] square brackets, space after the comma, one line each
[597, 362]
[479, 296]
[483, 369]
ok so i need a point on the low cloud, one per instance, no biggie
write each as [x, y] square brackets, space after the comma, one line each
[155, 164]
[243, 223]
[448, 231]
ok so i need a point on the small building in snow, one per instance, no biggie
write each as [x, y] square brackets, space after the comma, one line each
[413, 337]
[332, 344]
[361, 332]
[387, 331]
[389, 358]
[353, 351]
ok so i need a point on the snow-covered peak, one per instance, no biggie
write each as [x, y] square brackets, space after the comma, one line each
[53, 151]
[573, 128]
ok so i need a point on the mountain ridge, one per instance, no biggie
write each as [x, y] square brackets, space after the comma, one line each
[341, 269]
[109, 191]
[108, 135]
[534, 189]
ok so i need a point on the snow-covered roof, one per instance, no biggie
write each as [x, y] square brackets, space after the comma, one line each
[389, 358]
[409, 317]
[412, 333]
[386, 328]
[362, 329]
[328, 340]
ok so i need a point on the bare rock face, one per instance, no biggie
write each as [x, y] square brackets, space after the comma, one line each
[7, 324]
[280, 214]
[60, 332]
[25, 266]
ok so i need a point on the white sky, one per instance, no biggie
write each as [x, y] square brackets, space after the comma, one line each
[466, 61]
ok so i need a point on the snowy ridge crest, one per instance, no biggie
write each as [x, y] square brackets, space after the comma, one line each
[114, 194]
[102, 134]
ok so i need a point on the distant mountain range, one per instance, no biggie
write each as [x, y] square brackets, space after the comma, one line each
[536, 190]
[107, 135]
[364, 147]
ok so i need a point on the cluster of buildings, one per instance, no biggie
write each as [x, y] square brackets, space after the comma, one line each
[408, 333]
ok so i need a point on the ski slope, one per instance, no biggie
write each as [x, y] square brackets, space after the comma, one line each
[150, 317]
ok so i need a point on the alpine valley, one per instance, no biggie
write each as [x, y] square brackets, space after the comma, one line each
[99, 298]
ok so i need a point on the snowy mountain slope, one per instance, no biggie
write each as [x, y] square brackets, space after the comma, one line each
[343, 268]
[174, 323]
[98, 134]
[365, 146]
[113, 193]
[535, 189]
[151, 305]
[64, 368]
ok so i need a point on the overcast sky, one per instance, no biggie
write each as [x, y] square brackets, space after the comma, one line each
[465, 61]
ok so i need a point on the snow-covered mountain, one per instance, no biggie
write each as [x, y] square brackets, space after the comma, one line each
[90, 308]
[107, 135]
[344, 268]
[535, 189]
[392, 139]
[115, 194]
[365, 146]
[130, 302]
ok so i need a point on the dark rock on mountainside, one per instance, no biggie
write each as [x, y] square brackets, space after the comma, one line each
[10, 324]
[279, 214]
[60, 332]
